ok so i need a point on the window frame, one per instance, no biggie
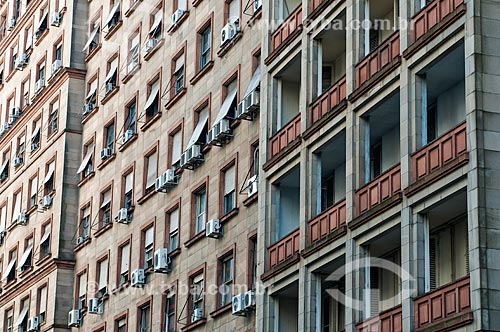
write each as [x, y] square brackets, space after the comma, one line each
[201, 188]
[207, 25]
[144, 250]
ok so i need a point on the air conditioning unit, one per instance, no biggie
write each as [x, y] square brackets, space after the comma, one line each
[34, 146]
[127, 135]
[74, 318]
[33, 324]
[176, 16]
[249, 105]
[196, 315]
[46, 201]
[213, 229]
[219, 133]
[257, 4]
[122, 216]
[94, 307]
[131, 65]
[55, 19]
[18, 161]
[87, 108]
[138, 278]
[81, 239]
[228, 32]
[109, 87]
[191, 156]
[56, 65]
[166, 180]
[239, 304]
[6, 126]
[15, 112]
[22, 219]
[249, 300]
[11, 25]
[21, 61]
[253, 185]
[162, 262]
[39, 85]
[106, 153]
[150, 44]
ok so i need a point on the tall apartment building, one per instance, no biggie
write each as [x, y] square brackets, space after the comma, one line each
[379, 144]
[41, 76]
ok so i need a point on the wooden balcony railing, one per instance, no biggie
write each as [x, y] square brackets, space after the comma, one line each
[446, 148]
[328, 100]
[285, 136]
[431, 15]
[388, 321]
[378, 190]
[450, 303]
[283, 249]
[327, 222]
[291, 24]
[383, 55]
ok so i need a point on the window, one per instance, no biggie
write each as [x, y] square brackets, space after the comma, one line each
[42, 303]
[254, 149]
[26, 261]
[81, 291]
[33, 192]
[156, 30]
[112, 76]
[13, 52]
[25, 93]
[86, 167]
[102, 278]
[4, 171]
[94, 37]
[40, 73]
[252, 264]
[148, 242]
[173, 227]
[58, 51]
[226, 280]
[85, 222]
[178, 73]
[229, 186]
[124, 262]
[45, 241]
[175, 144]
[16, 210]
[200, 198]
[128, 190]
[9, 320]
[121, 324]
[3, 218]
[145, 317]
[233, 11]
[91, 98]
[196, 297]
[130, 117]
[133, 56]
[42, 24]
[151, 171]
[35, 135]
[105, 210]
[109, 134]
[2, 66]
[152, 106]
[180, 4]
[3, 25]
[54, 112]
[48, 182]
[22, 320]
[20, 149]
[10, 273]
[17, 9]
[170, 305]
[113, 17]
[205, 44]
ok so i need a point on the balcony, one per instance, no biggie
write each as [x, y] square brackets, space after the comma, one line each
[328, 101]
[287, 30]
[387, 321]
[284, 249]
[330, 221]
[382, 190]
[380, 58]
[448, 306]
[286, 135]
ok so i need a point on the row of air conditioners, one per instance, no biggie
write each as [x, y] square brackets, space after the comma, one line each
[249, 106]
[22, 61]
[228, 32]
[191, 157]
[220, 133]
[243, 303]
[165, 181]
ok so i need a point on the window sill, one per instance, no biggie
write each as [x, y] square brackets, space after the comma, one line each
[132, 8]
[93, 52]
[257, 15]
[88, 116]
[106, 161]
[145, 197]
[193, 325]
[39, 39]
[150, 54]
[127, 77]
[150, 122]
[222, 310]
[226, 48]
[175, 98]
[230, 215]
[32, 209]
[32, 153]
[176, 26]
[43, 259]
[12, 72]
[103, 229]
[110, 94]
[86, 179]
[194, 239]
[201, 72]
[206, 148]
[127, 143]
[195, 3]
[51, 135]
[83, 244]
[25, 272]
[250, 200]
[113, 30]
[174, 253]
[120, 288]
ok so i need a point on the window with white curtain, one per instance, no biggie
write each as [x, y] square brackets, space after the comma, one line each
[151, 161]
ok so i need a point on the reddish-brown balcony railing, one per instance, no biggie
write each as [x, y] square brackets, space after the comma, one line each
[446, 304]
[327, 222]
[285, 136]
[328, 100]
[388, 321]
[432, 14]
[287, 28]
[444, 149]
[378, 190]
[284, 248]
[383, 55]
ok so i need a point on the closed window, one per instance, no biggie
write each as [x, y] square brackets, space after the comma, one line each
[33, 194]
[121, 324]
[105, 210]
[226, 280]
[85, 222]
[110, 137]
[102, 278]
[42, 303]
[148, 240]
[229, 185]
[124, 254]
[128, 190]
[170, 311]
[173, 227]
[151, 170]
[130, 117]
[81, 283]
[200, 198]
[145, 317]
[205, 42]
[196, 297]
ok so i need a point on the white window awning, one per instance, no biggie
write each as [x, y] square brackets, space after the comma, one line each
[4, 165]
[156, 23]
[106, 199]
[36, 132]
[112, 13]
[112, 71]
[91, 93]
[9, 269]
[86, 160]
[226, 105]
[91, 38]
[43, 19]
[46, 235]
[50, 173]
[202, 120]
[152, 96]
[25, 256]
[22, 315]
[254, 82]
